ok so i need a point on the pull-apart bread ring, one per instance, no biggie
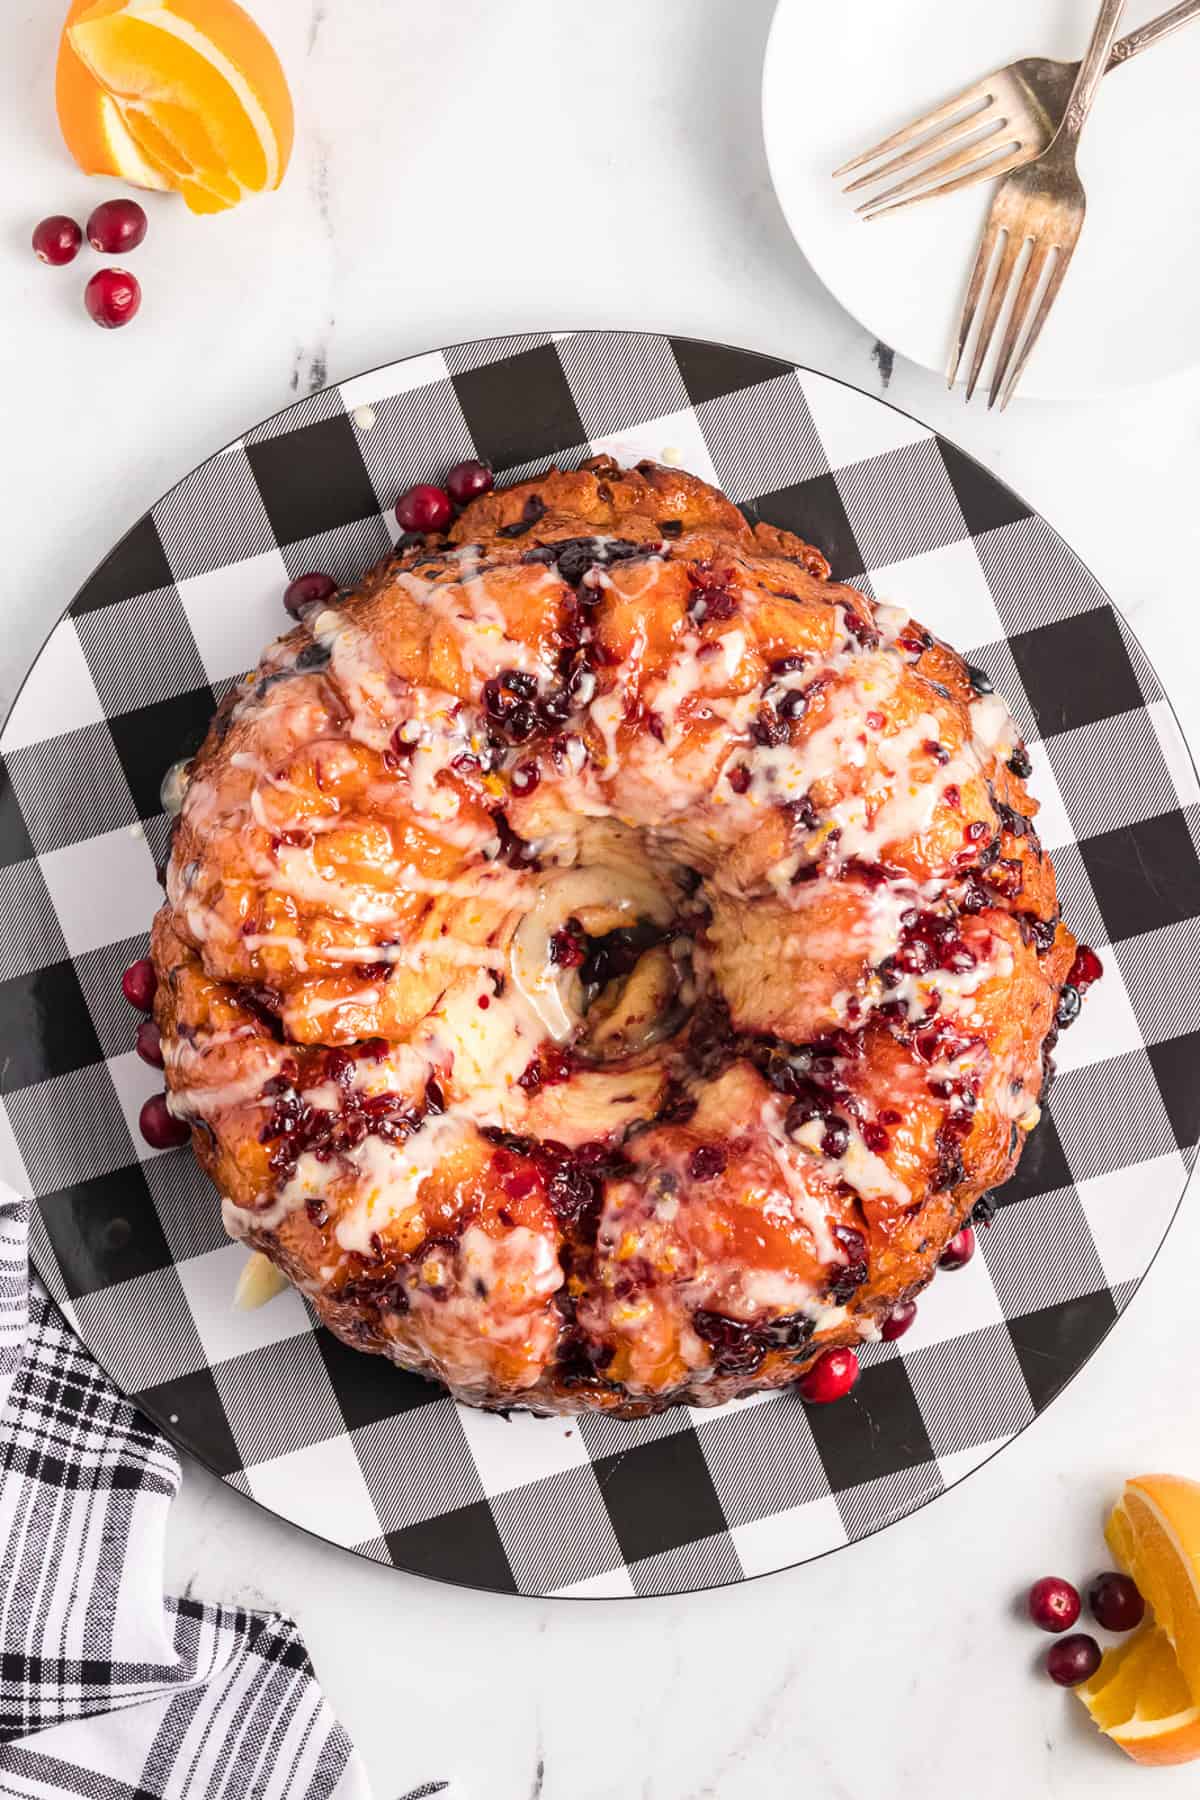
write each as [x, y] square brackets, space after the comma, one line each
[605, 961]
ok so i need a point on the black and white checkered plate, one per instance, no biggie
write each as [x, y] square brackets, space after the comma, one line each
[129, 1241]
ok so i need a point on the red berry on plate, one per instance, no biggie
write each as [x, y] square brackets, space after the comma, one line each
[161, 1129]
[901, 1319]
[959, 1250]
[149, 1044]
[306, 590]
[1116, 1601]
[832, 1375]
[112, 297]
[424, 508]
[467, 480]
[116, 226]
[1053, 1603]
[1086, 969]
[1073, 1659]
[56, 240]
[138, 984]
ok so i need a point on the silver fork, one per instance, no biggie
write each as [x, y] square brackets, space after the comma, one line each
[1042, 205]
[1000, 122]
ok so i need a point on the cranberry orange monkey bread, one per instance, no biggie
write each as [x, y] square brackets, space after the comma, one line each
[605, 962]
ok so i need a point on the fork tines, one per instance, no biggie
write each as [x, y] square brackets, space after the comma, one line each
[974, 131]
[1041, 253]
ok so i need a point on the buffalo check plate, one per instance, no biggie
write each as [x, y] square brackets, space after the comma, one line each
[129, 1241]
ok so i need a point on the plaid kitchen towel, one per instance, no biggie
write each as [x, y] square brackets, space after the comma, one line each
[108, 1690]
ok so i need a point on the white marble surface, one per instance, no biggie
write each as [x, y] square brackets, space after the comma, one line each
[465, 169]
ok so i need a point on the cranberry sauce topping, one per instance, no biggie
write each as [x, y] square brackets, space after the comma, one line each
[849, 1278]
[712, 597]
[510, 702]
[859, 632]
[707, 1162]
[569, 945]
[549, 1067]
[928, 941]
[513, 850]
[294, 1127]
[517, 710]
[739, 1347]
[572, 1180]
[575, 557]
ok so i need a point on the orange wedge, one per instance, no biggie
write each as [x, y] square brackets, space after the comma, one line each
[187, 92]
[1146, 1693]
[91, 122]
[1139, 1698]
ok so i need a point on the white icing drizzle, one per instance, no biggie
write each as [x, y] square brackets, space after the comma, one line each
[859, 1167]
[807, 1205]
[477, 623]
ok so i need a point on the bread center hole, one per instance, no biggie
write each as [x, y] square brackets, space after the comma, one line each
[635, 983]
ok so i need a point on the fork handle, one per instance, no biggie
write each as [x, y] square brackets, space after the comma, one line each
[1091, 71]
[1151, 32]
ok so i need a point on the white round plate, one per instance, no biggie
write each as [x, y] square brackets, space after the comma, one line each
[840, 78]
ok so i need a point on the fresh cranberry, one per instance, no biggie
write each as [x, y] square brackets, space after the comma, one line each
[149, 1044]
[116, 226]
[831, 1377]
[112, 297]
[56, 240]
[161, 1130]
[467, 480]
[139, 983]
[306, 590]
[1073, 1659]
[902, 1318]
[1085, 970]
[424, 508]
[959, 1250]
[1053, 1603]
[1116, 1601]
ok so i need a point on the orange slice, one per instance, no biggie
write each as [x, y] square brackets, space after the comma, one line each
[1146, 1693]
[192, 88]
[1139, 1698]
[91, 121]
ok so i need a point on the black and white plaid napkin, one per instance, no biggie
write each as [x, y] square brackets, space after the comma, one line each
[108, 1690]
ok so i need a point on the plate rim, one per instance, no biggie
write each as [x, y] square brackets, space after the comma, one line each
[156, 1415]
